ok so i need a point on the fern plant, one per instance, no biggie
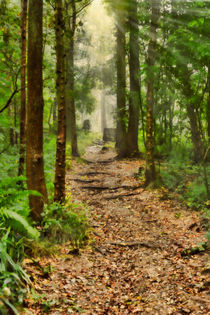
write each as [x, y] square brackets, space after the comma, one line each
[13, 279]
[18, 223]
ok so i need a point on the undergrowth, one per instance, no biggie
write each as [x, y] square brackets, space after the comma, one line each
[188, 180]
[18, 237]
[62, 223]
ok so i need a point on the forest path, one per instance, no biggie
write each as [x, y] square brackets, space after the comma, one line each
[134, 265]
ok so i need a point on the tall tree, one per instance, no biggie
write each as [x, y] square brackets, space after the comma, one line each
[24, 5]
[34, 134]
[121, 83]
[134, 67]
[60, 166]
[150, 173]
[70, 91]
[208, 105]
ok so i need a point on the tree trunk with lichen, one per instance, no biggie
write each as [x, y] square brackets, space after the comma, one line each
[150, 174]
[34, 134]
[60, 166]
[24, 5]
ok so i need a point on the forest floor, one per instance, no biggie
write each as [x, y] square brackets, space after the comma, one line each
[134, 263]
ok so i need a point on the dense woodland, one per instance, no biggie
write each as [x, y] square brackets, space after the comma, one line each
[158, 71]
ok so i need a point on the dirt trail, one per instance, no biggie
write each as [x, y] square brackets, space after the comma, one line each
[134, 265]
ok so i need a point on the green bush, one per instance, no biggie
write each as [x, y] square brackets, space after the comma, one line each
[14, 227]
[180, 175]
[62, 223]
[196, 194]
[13, 279]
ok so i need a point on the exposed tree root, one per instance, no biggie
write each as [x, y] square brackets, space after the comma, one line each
[85, 181]
[134, 244]
[121, 196]
[94, 173]
[111, 188]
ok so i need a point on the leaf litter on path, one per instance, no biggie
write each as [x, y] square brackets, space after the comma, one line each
[133, 264]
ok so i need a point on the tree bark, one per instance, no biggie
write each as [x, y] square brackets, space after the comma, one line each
[103, 110]
[195, 131]
[34, 134]
[70, 101]
[150, 174]
[24, 5]
[121, 87]
[134, 67]
[60, 166]
[208, 106]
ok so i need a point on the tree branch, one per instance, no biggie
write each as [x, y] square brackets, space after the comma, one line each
[9, 100]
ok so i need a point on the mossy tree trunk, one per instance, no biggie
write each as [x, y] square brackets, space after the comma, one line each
[34, 133]
[208, 106]
[24, 6]
[70, 98]
[60, 166]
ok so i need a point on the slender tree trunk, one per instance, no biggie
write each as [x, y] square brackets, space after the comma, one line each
[121, 86]
[60, 166]
[150, 173]
[208, 106]
[24, 5]
[195, 131]
[54, 111]
[70, 101]
[11, 129]
[135, 97]
[15, 122]
[103, 111]
[171, 106]
[34, 134]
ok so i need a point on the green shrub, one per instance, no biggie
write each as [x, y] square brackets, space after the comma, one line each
[13, 279]
[180, 175]
[62, 223]
[196, 194]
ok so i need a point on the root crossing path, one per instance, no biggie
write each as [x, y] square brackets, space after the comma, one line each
[133, 264]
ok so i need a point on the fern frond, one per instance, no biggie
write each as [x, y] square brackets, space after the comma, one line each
[18, 223]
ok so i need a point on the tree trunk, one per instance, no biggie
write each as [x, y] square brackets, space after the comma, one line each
[121, 86]
[150, 173]
[60, 166]
[34, 134]
[70, 101]
[208, 106]
[15, 122]
[195, 132]
[103, 111]
[134, 67]
[24, 5]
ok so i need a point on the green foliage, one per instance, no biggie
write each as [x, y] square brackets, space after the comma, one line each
[180, 175]
[14, 226]
[18, 223]
[86, 139]
[49, 161]
[13, 279]
[196, 194]
[65, 223]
